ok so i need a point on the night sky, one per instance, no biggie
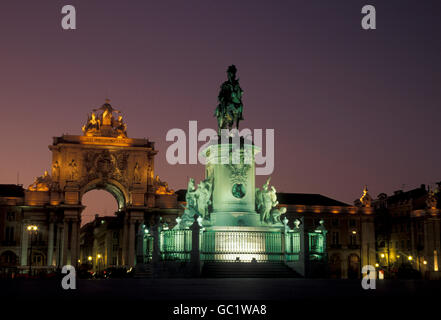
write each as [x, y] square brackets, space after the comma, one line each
[349, 107]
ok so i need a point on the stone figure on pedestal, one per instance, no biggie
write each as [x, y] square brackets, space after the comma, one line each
[198, 201]
[42, 183]
[107, 116]
[161, 187]
[120, 127]
[366, 199]
[104, 124]
[266, 204]
[204, 198]
[136, 174]
[92, 126]
[73, 168]
[55, 171]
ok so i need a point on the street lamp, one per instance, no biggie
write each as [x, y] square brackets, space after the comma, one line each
[32, 229]
[99, 262]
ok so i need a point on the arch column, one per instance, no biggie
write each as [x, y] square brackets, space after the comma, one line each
[131, 253]
[125, 242]
[71, 230]
[50, 245]
[64, 243]
[344, 266]
[129, 241]
[74, 243]
[24, 245]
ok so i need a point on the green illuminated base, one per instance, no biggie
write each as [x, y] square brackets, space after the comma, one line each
[242, 244]
[238, 219]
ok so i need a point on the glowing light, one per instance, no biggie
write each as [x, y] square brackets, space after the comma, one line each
[99, 256]
[32, 228]
[354, 232]
[425, 262]
[410, 258]
[398, 256]
[382, 255]
[89, 258]
[377, 265]
[381, 275]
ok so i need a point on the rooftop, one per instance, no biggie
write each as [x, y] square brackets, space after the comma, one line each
[11, 190]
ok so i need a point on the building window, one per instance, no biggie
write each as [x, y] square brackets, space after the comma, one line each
[9, 234]
[335, 238]
[37, 260]
[353, 239]
[10, 216]
[420, 240]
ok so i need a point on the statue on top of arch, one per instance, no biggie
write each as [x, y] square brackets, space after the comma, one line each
[104, 124]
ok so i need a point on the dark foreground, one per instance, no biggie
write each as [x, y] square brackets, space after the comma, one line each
[281, 295]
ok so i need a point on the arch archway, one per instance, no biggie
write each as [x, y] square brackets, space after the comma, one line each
[121, 166]
[8, 258]
[98, 203]
[103, 158]
[116, 189]
[335, 266]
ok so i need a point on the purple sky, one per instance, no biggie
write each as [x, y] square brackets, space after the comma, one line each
[349, 107]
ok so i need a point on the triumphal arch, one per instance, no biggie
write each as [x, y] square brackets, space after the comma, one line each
[103, 157]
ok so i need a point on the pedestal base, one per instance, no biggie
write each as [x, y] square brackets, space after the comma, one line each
[237, 219]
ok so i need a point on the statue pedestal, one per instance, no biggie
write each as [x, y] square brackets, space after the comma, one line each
[240, 219]
[231, 168]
